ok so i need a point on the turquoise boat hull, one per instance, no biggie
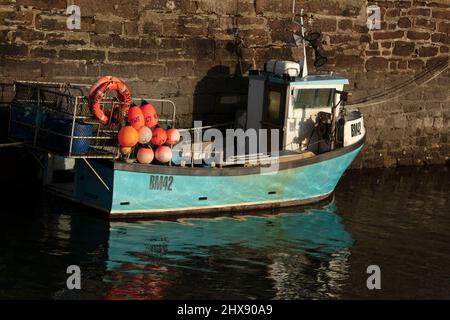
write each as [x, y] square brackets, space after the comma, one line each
[138, 190]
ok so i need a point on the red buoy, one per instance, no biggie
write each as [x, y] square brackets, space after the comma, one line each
[173, 136]
[159, 136]
[150, 115]
[163, 154]
[128, 137]
[145, 155]
[136, 118]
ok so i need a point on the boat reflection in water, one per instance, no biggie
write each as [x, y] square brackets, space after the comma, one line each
[398, 219]
[288, 255]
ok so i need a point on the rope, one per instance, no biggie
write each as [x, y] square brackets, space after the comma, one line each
[403, 88]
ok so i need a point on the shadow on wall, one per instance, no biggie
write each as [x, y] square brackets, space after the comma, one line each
[6, 95]
[220, 96]
[13, 158]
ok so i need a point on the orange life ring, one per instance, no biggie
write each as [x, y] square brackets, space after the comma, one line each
[101, 88]
[101, 81]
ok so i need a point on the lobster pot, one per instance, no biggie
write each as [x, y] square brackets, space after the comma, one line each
[24, 118]
[59, 132]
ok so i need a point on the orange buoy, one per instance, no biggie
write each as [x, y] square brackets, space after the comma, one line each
[145, 135]
[150, 115]
[125, 151]
[163, 154]
[136, 118]
[173, 136]
[145, 155]
[128, 137]
[159, 136]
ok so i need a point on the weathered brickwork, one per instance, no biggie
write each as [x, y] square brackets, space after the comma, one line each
[197, 52]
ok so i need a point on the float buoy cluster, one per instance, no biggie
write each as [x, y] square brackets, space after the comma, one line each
[141, 132]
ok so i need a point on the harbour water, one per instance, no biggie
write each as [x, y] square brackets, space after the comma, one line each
[397, 219]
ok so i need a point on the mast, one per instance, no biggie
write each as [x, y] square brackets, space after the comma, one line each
[305, 63]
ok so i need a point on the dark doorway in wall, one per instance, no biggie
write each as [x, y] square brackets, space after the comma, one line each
[220, 96]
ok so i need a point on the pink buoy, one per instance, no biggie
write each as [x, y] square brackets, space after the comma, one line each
[145, 155]
[163, 154]
[173, 136]
[145, 135]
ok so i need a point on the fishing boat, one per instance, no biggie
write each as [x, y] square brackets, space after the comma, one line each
[306, 139]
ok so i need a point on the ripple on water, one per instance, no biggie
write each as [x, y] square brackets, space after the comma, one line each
[398, 219]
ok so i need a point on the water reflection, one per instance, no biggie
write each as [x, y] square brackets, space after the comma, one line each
[304, 254]
[300, 253]
[397, 219]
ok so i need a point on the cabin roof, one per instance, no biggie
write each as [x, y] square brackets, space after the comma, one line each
[309, 79]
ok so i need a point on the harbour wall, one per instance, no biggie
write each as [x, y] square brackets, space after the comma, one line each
[198, 54]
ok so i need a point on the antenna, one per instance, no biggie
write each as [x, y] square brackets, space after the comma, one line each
[296, 38]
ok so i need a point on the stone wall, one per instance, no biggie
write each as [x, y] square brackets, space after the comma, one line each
[198, 52]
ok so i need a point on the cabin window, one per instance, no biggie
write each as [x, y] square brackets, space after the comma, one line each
[313, 98]
[274, 105]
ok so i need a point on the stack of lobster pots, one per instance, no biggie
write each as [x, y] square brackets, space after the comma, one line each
[141, 131]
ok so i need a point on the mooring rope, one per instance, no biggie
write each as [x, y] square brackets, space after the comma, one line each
[403, 88]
